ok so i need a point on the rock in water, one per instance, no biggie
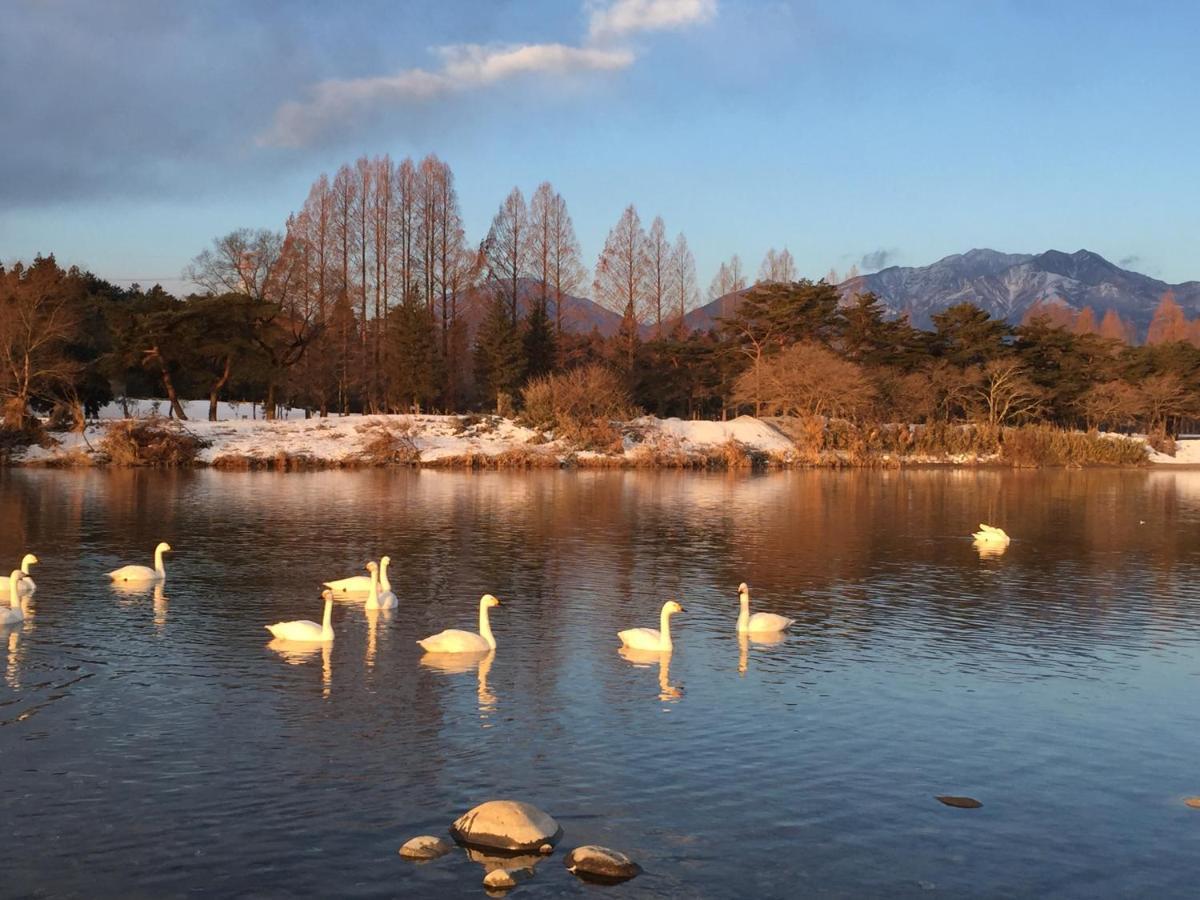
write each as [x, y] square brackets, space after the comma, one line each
[1193, 802]
[601, 863]
[960, 802]
[501, 879]
[426, 846]
[506, 825]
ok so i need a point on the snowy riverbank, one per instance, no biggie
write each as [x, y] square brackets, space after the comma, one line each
[480, 441]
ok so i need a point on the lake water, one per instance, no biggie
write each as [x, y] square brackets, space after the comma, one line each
[156, 746]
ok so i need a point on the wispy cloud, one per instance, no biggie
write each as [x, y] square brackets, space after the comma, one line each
[625, 17]
[876, 259]
[1126, 262]
[466, 67]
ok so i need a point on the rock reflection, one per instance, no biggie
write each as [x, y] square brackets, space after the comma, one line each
[297, 653]
[644, 659]
[521, 864]
[461, 664]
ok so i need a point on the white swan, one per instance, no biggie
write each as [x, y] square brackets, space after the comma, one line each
[361, 584]
[14, 613]
[376, 600]
[144, 573]
[26, 585]
[652, 638]
[304, 630]
[759, 622]
[989, 534]
[454, 641]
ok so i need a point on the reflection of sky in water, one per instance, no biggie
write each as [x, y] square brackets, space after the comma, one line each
[1055, 682]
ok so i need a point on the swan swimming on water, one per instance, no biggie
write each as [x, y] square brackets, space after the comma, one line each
[652, 638]
[144, 573]
[452, 640]
[306, 630]
[26, 585]
[13, 613]
[989, 534]
[760, 621]
[376, 600]
[361, 584]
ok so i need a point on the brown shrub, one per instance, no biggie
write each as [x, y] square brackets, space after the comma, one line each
[132, 442]
[389, 446]
[1045, 445]
[579, 406]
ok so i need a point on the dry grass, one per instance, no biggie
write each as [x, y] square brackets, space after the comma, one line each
[580, 406]
[514, 458]
[151, 443]
[387, 445]
[1044, 445]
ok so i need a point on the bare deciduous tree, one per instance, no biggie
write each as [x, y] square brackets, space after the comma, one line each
[506, 250]
[777, 266]
[685, 294]
[1004, 393]
[807, 379]
[622, 272]
[658, 275]
[242, 262]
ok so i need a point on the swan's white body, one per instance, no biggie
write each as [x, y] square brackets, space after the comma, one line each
[144, 573]
[989, 534]
[652, 638]
[452, 640]
[13, 613]
[759, 622]
[26, 585]
[306, 631]
[376, 600]
[361, 584]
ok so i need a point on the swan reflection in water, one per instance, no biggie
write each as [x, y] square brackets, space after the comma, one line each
[12, 667]
[461, 664]
[299, 652]
[644, 659]
[762, 638]
[373, 617]
[160, 607]
[989, 549]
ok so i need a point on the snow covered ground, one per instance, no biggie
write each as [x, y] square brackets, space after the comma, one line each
[1187, 453]
[437, 439]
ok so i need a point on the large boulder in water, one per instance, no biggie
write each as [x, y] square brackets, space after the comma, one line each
[506, 825]
[600, 863]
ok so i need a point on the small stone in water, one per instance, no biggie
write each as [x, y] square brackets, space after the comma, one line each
[426, 846]
[1193, 802]
[546, 849]
[590, 861]
[960, 802]
[499, 878]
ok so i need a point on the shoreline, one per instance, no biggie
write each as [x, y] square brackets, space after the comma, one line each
[490, 442]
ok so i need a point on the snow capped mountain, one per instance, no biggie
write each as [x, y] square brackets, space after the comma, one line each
[1006, 285]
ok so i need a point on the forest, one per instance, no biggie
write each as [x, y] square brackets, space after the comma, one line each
[370, 299]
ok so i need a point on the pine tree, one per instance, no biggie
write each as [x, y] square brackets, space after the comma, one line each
[499, 355]
[414, 364]
[538, 340]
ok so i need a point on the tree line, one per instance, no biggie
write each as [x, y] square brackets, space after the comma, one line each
[371, 299]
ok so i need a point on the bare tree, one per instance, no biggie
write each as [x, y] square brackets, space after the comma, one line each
[554, 249]
[37, 319]
[242, 262]
[728, 280]
[658, 260]
[1004, 393]
[622, 273]
[685, 295]
[506, 250]
[777, 266]
[807, 379]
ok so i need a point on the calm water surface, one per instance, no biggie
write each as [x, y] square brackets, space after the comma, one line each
[155, 745]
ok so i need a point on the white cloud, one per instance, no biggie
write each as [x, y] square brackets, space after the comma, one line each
[464, 66]
[472, 66]
[625, 17]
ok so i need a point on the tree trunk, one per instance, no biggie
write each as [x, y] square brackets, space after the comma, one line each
[215, 391]
[269, 404]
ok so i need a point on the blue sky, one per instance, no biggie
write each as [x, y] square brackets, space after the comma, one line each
[137, 131]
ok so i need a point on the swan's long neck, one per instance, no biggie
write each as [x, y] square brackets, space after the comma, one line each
[14, 598]
[744, 616]
[485, 627]
[158, 562]
[384, 581]
[25, 566]
[373, 596]
[327, 622]
[664, 628]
